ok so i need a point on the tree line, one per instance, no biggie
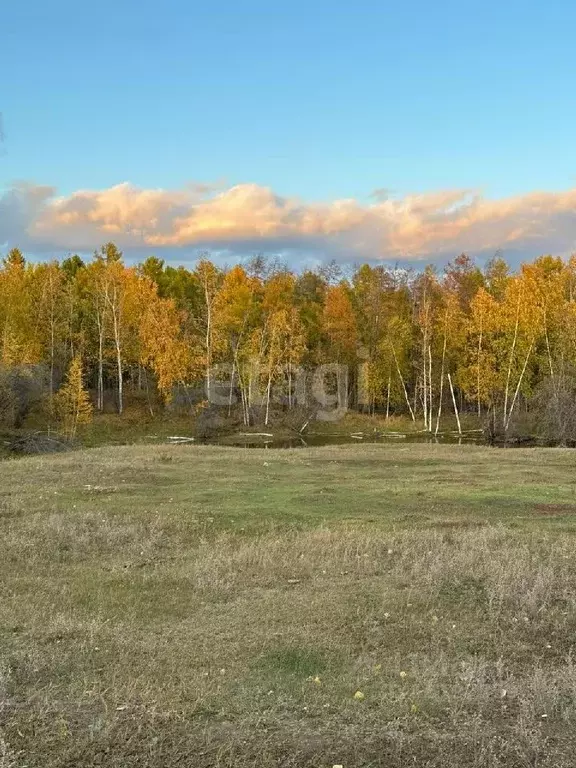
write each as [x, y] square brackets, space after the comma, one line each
[410, 342]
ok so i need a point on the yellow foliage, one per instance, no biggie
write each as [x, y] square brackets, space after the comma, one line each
[72, 402]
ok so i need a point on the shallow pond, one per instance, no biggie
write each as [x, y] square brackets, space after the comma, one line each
[318, 439]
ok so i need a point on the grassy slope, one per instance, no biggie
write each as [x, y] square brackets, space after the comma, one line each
[206, 606]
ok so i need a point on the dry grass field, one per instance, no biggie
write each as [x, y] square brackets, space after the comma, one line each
[355, 605]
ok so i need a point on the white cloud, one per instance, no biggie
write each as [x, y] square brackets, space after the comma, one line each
[425, 227]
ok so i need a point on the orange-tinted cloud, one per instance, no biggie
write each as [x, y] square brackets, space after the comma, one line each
[247, 216]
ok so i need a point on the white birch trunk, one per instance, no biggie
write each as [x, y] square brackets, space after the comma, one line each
[518, 385]
[403, 384]
[441, 383]
[454, 404]
[429, 388]
[509, 374]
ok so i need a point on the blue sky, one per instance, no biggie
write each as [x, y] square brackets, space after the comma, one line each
[315, 100]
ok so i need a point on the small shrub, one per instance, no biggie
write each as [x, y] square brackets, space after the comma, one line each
[22, 388]
[555, 407]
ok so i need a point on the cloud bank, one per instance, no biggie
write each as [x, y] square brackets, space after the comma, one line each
[247, 217]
